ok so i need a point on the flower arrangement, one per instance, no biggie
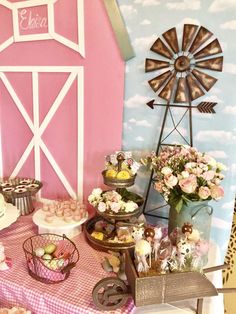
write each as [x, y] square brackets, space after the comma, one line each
[184, 174]
[112, 202]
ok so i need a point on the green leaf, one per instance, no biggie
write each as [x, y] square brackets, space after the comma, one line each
[179, 205]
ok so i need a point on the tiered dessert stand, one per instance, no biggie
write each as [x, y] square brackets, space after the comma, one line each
[119, 220]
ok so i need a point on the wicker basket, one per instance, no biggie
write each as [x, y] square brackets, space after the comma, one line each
[56, 269]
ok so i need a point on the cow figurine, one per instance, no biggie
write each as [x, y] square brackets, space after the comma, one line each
[184, 250]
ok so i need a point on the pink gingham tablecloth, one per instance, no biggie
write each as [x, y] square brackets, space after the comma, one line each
[72, 296]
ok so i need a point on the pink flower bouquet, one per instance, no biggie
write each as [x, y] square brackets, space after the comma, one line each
[184, 174]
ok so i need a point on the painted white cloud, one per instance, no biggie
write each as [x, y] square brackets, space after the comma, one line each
[216, 90]
[127, 126]
[233, 188]
[222, 5]
[218, 154]
[126, 69]
[143, 123]
[184, 5]
[230, 110]
[139, 139]
[228, 205]
[216, 135]
[146, 3]
[145, 22]
[187, 20]
[233, 169]
[212, 98]
[220, 223]
[136, 101]
[230, 68]
[128, 10]
[229, 25]
[144, 43]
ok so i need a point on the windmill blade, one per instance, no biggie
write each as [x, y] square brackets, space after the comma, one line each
[172, 39]
[202, 36]
[195, 90]
[214, 64]
[153, 64]
[206, 80]
[206, 107]
[167, 90]
[160, 48]
[180, 95]
[212, 49]
[159, 80]
[188, 35]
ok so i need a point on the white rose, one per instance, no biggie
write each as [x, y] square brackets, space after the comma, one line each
[97, 192]
[130, 206]
[184, 174]
[221, 166]
[170, 181]
[166, 171]
[91, 198]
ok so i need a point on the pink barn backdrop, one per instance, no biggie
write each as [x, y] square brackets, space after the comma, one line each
[103, 70]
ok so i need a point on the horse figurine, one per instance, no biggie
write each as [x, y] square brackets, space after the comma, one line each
[142, 250]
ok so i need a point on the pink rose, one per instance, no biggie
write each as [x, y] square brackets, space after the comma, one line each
[102, 207]
[208, 175]
[115, 207]
[158, 186]
[217, 192]
[204, 192]
[188, 185]
[170, 180]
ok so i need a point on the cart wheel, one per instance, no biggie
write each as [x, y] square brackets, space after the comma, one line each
[110, 293]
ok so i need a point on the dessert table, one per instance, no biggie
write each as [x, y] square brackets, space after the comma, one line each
[73, 295]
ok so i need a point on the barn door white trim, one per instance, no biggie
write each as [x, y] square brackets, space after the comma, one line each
[37, 143]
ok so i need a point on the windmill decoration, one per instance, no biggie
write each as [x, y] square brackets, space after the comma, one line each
[182, 79]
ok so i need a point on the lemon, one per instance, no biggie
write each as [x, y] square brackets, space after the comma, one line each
[111, 173]
[123, 175]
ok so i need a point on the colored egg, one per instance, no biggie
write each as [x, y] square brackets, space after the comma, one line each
[50, 248]
[39, 252]
[47, 257]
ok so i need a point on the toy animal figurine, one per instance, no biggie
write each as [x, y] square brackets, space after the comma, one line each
[157, 241]
[142, 250]
[5, 262]
[164, 253]
[184, 250]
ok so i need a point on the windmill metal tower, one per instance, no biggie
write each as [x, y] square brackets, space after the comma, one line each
[179, 82]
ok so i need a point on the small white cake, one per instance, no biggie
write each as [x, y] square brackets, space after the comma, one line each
[3, 206]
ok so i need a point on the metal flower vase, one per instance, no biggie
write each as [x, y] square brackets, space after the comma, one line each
[198, 215]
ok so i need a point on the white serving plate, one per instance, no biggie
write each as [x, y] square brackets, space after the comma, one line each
[58, 226]
[11, 215]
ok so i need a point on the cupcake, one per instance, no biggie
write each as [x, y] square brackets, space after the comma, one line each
[49, 217]
[68, 218]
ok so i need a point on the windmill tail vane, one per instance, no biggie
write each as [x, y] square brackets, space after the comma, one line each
[203, 107]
